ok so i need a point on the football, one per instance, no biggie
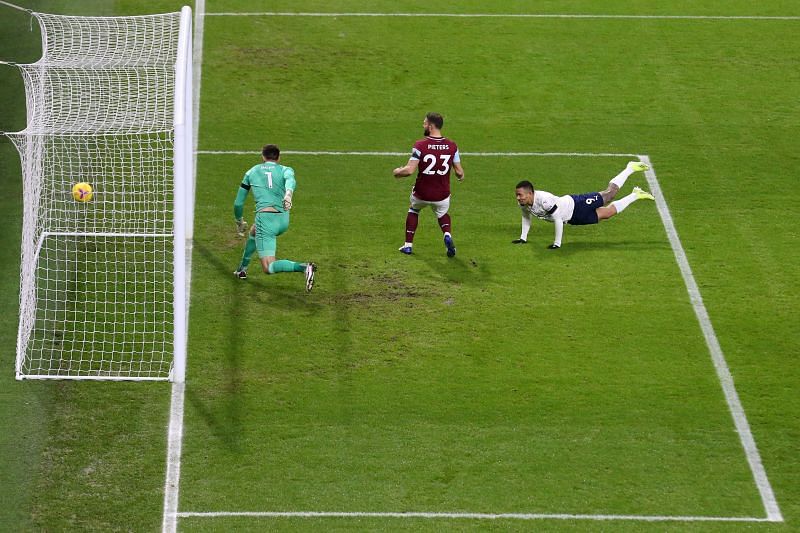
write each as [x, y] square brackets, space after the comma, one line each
[82, 192]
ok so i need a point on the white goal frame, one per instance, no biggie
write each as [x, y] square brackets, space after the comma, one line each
[31, 144]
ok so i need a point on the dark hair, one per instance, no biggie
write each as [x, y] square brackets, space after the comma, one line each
[436, 119]
[525, 184]
[271, 152]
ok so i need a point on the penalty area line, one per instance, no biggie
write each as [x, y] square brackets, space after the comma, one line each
[717, 356]
[400, 154]
[723, 373]
[506, 15]
[475, 516]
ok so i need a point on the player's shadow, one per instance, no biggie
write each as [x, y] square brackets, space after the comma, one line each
[257, 287]
[459, 269]
[589, 247]
[223, 416]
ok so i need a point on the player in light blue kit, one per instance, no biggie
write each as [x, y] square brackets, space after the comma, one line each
[272, 185]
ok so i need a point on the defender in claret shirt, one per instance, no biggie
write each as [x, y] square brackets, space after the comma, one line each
[432, 158]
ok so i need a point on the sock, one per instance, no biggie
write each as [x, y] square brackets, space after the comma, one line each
[249, 249]
[444, 223]
[412, 219]
[619, 179]
[284, 265]
[622, 203]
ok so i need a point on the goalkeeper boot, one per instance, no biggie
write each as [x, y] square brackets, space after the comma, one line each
[637, 166]
[405, 249]
[642, 195]
[451, 248]
[311, 268]
[241, 274]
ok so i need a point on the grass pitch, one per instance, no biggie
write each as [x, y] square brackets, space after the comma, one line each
[509, 379]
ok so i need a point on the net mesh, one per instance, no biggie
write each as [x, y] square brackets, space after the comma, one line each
[84, 324]
[96, 297]
[95, 100]
[109, 42]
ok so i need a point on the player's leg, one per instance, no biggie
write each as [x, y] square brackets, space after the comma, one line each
[268, 227]
[610, 193]
[412, 220]
[266, 262]
[276, 224]
[619, 206]
[277, 266]
[441, 209]
[271, 225]
[249, 250]
[618, 181]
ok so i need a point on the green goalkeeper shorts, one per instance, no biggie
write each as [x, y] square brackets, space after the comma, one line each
[268, 227]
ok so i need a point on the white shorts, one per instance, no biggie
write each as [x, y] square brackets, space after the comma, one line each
[439, 208]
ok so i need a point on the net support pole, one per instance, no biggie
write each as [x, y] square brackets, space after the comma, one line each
[183, 196]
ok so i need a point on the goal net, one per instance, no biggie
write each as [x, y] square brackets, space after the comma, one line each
[103, 284]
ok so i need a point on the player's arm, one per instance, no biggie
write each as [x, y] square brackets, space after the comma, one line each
[290, 185]
[559, 227]
[550, 206]
[459, 170]
[238, 207]
[410, 168]
[526, 226]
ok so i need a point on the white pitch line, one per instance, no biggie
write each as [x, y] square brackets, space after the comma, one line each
[476, 516]
[400, 154]
[505, 15]
[721, 366]
[174, 443]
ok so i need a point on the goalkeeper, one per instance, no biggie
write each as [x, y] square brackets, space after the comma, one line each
[272, 185]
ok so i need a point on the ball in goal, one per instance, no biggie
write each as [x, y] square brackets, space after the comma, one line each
[82, 192]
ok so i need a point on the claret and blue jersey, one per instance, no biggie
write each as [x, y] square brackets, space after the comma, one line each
[436, 156]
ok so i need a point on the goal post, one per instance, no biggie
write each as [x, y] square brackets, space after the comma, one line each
[184, 192]
[104, 284]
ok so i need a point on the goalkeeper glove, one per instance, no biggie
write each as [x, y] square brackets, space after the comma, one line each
[287, 200]
[519, 241]
[241, 227]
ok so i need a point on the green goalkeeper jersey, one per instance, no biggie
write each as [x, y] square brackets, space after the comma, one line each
[268, 182]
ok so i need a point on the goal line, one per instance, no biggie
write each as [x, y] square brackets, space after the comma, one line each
[506, 15]
[476, 516]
